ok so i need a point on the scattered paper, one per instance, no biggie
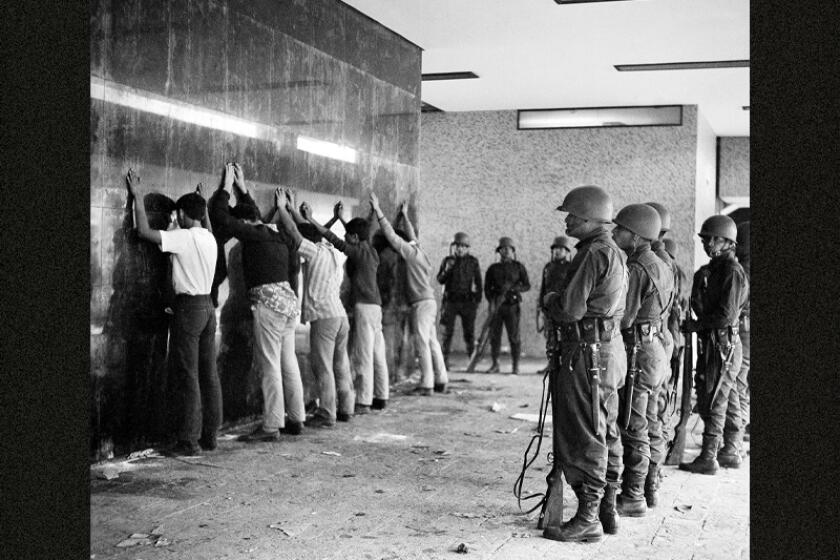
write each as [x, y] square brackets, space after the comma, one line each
[682, 508]
[530, 417]
[381, 438]
[462, 549]
[162, 542]
[467, 515]
[133, 542]
[332, 453]
[281, 529]
[496, 407]
[442, 452]
[521, 535]
[159, 529]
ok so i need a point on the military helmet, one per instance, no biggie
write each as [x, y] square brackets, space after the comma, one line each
[720, 226]
[588, 202]
[462, 238]
[562, 241]
[670, 246]
[664, 215]
[505, 242]
[641, 219]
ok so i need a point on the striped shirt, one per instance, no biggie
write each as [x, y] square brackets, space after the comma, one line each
[322, 276]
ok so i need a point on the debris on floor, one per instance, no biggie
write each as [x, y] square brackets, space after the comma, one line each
[462, 549]
[139, 539]
[496, 407]
[281, 529]
[530, 417]
[682, 508]
[332, 453]
[381, 438]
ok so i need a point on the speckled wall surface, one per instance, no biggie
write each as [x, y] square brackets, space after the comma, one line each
[479, 174]
[734, 177]
[314, 67]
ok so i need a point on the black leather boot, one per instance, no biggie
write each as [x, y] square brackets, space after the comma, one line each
[584, 526]
[729, 455]
[705, 463]
[652, 485]
[631, 502]
[494, 367]
[607, 512]
[514, 357]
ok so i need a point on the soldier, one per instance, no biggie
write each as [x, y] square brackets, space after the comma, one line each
[461, 276]
[672, 340]
[587, 309]
[650, 289]
[503, 285]
[718, 293]
[742, 253]
[553, 276]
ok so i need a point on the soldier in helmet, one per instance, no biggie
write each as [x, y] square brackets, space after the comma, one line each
[503, 285]
[742, 253]
[553, 276]
[587, 309]
[718, 293]
[672, 339]
[649, 292]
[460, 275]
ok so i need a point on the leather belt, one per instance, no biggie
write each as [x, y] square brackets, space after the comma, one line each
[588, 329]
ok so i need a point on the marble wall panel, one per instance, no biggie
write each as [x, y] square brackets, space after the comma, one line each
[137, 51]
[328, 27]
[249, 77]
[95, 246]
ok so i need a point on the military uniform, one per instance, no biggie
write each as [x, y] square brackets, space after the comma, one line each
[503, 284]
[742, 253]
[649, 294]
[553, 277]
[718, 293]
[461, 278]
[588, 308]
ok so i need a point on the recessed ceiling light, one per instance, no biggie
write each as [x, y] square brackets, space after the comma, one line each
[448, 76]
[703, 65]
[599, 117]
[582, 1]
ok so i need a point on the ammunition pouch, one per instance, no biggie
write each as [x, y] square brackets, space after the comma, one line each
[588, 329]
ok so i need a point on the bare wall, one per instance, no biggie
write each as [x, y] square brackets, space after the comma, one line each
[481, 175]
[734, 160]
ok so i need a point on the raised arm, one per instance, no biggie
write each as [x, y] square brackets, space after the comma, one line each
[306, 212]
[395, 240]
[337, 209]
[205, 221]
[409, 229]
[282, 200]
[132, 183]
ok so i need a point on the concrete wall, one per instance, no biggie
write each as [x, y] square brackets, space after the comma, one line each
[289, 67]
[707, 202]
[734, 161]
[481, 175]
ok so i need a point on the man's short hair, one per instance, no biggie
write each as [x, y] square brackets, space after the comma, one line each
[310, 232]
[360, 227]
[245, 211]
[402, 234]
[193, 206]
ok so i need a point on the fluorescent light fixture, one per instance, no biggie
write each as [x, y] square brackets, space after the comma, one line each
[326, 149]
[598, 117]
[582, 1]
[448, 76]
[701, 65]
[178, 110]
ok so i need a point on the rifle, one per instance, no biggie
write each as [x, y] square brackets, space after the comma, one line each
[630, 380]
[677, 445]
[484, 337]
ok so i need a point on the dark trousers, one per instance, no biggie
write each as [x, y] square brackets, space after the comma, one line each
[642, 439]
[589, 460]
[507, 316]
[721, 413]
[193, 367]
[466, 310]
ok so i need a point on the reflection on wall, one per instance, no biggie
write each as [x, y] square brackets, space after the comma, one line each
[513, 180]
[177, 90]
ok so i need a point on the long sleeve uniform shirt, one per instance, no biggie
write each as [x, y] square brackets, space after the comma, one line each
[596, 284]
[553, 277]
[362, 264]
[462, 281]
[719, 291]
[505, 276]
[745, 264]
[269, 256]
[418, 267]
[650, 287]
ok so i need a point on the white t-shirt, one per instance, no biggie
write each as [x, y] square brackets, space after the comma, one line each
[193, 259]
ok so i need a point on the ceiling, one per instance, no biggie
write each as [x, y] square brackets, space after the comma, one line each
[533, 54]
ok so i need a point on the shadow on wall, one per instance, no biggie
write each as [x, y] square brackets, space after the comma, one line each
[129, 402]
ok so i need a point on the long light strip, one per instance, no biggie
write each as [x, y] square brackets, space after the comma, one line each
[326, 149]
[699, 65]
[159, 105]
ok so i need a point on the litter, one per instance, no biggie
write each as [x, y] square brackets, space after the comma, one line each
[682, 508]
[530, 417]
[281, 529]
[332, 453]
[462, 549]
[496, 407]
[381, 438]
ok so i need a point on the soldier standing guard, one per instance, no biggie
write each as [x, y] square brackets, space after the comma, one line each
[650, 290]
[461, 277]
[718, 293]
[584, 391]
[553, 275]
[503, 285]
[742, 252]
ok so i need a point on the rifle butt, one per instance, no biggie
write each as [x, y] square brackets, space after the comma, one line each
[675, 452]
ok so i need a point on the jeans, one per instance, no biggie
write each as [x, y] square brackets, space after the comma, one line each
[274, 355]
[331, 366]
[432, 367]
[368, 354]
[193, 365]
